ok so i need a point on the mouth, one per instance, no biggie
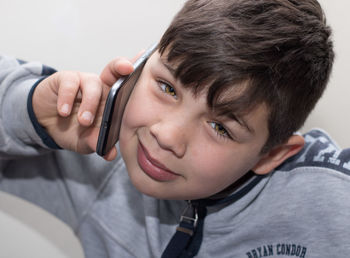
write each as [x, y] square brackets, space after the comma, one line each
[152, 167]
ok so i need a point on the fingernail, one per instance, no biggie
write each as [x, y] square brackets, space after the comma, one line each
[87, 116]
[65, 109]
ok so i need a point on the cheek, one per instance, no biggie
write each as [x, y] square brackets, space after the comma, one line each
[130, 122]
[139, 113]
[138, 110]
[217, 168]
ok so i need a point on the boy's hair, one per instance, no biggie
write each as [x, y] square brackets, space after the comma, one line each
[276, 52]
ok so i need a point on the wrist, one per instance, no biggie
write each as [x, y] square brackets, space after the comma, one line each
[42, 133]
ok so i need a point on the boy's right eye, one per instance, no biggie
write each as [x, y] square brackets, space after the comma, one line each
[167, 88]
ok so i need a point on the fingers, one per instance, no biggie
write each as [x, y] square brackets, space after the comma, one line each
[68, 87]
[115, 69]
[79, 87]
[91, 87]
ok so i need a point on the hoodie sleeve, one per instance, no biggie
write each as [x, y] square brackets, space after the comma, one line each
[57, 181]
[18, 136]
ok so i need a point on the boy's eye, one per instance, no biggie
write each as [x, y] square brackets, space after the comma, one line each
[219, 129]
[166, 88]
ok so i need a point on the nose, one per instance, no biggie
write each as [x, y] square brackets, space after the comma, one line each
[171, 135]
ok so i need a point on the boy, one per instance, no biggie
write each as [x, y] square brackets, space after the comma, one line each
[211, 120]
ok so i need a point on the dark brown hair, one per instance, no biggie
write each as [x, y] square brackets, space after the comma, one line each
[280, 49]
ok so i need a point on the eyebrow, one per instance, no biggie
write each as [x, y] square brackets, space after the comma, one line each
[241, 122]
[167, 66]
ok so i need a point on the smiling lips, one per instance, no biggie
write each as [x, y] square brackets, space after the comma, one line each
[152, 167]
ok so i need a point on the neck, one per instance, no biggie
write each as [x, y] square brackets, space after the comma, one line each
[233, 187]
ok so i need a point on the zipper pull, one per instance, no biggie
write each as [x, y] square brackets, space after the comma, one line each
[188, 219]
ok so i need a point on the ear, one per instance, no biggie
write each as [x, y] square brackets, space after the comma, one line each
[278, 155]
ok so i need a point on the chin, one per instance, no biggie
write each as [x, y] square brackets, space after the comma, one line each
[162, 192]
[152, 191]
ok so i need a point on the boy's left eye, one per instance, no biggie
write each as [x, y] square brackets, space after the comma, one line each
[166, 88]
[219, 129]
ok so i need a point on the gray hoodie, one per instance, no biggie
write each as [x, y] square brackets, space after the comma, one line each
[302, 209]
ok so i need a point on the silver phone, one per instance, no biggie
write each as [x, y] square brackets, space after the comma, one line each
[117, 99]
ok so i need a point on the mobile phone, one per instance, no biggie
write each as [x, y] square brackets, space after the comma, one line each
[117, 99]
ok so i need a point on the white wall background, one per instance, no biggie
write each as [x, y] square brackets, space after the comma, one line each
[84, 35]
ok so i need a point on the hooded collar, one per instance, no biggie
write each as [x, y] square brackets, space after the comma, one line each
[188, 237]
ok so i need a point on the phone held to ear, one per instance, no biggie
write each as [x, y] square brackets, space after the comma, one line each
[115, 104]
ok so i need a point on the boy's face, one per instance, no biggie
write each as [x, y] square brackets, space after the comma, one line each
[175, 147]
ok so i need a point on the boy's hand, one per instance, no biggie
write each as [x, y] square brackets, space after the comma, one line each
[69, 105]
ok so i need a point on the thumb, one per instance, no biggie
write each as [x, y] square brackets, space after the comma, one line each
[91, 141]
[111, 155]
